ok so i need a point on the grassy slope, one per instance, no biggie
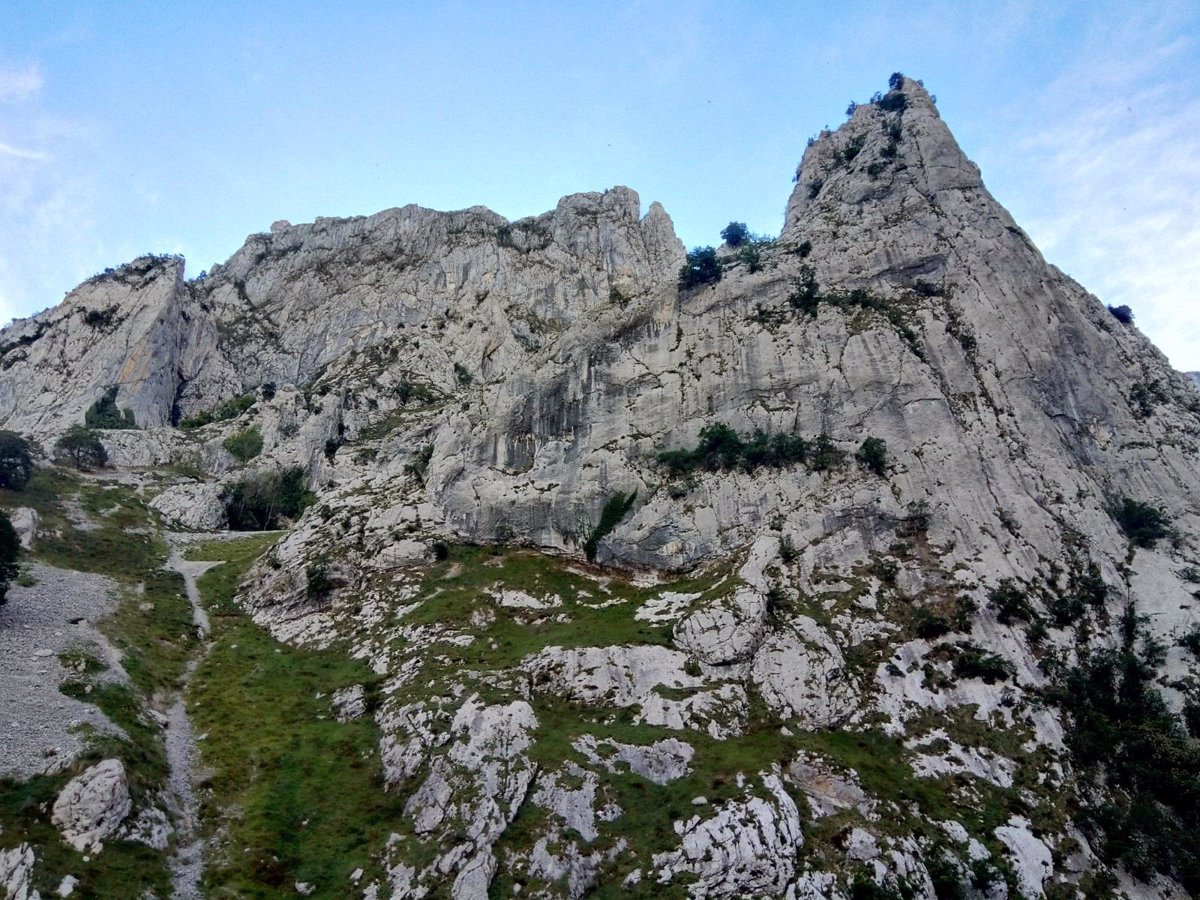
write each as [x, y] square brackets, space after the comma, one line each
[293, 795]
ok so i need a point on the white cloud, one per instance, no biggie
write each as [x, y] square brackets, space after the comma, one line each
[9, 150]
[19, 83]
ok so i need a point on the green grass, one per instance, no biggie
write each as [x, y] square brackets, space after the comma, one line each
[452, 590]
[294, 795]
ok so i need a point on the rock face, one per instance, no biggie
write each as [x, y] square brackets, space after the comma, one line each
[870, 619]
[16, 873]
[93, 805]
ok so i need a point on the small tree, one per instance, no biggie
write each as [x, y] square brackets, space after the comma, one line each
[82, 448]
[1122, 314]
[1143, 523]
[702, 267]
[896, 81]
[872, 455]
[10, 550]
[735, 234]
[16, 461]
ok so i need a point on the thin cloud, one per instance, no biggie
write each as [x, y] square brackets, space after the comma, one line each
[1110, 191]
[19, 84]
[17, 152]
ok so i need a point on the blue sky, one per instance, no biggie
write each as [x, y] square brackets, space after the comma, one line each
[182, 127]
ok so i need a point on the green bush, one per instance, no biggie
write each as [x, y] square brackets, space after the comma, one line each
[702, 267]
[16, 461]
[10, 551]
[318, 584]
[735, 234]
[256, 502]
[929, 625]
[245, 445]
[750, 257]
[615, 509]
[1143, 523]
[1122, 314]
[1191, 641]
[229, 409]
[872, 455]
[721, 448]
[81, 447]
[462, 376]
[973, 662]
[105, 414]
[1123, 737]
[410, 391]
[1010, 602]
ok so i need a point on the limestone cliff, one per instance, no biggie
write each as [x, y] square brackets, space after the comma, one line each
[455, 378]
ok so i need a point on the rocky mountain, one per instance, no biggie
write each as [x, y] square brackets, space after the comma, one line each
[860, 562]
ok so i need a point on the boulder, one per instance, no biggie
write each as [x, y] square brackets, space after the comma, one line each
[93, 805]
[194, 507]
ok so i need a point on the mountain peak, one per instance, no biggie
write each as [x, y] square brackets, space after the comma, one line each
[894, 144]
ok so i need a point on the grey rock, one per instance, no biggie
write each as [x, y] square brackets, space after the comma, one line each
[25, 523]
[16, 873]
[93, 805]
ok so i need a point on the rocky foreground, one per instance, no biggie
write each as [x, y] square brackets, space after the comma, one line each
[867, 568]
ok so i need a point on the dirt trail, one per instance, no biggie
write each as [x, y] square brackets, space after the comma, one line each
[187, 864]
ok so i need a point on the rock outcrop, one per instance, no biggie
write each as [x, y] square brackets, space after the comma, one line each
[93, 805]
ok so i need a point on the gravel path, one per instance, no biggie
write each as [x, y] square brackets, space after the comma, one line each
[187, 864]
[40, 727]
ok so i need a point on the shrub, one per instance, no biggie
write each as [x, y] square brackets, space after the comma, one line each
[16, 461]
[1010, 602]
[894, 101]
[245, 445]
[318, 584]
[1122, 314]
[1123, 736]
[721, 448]
[930, 625]
[872, 455]
[419, 463]
[787, 550]
[896, 81]
[407, 391]
[105, 414]
[256, 502]
[615, 509]
[988, 667]
[1144, 524]
[462, 376]
[806, 293]
[750, 257]
[229, 409]
[702, 267]
[1191, 641]
[735, 234]
[82, 448]
[825, 454]
[10, 551]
